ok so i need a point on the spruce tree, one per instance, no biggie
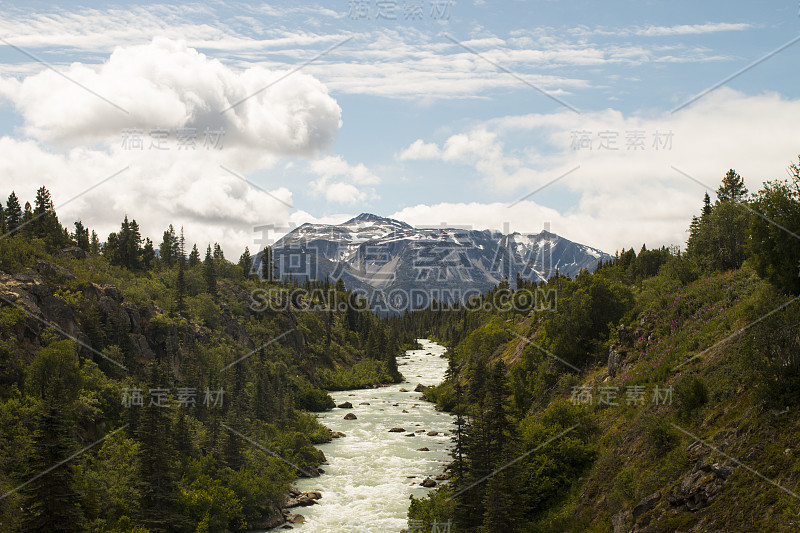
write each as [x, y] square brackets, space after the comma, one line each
[246, 262]
[94, 246]
[148, 254]
[81, 236]
[210, 272]
[732, 188]
[169, 243]
[194, 256]
[52, 502]
[13, 212]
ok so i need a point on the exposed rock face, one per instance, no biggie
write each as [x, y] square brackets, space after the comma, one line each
[614, 360]
[646, 504]
[74, 251]
[700, 486]
[271, 519]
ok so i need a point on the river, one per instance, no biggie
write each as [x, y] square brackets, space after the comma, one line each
[367, 483]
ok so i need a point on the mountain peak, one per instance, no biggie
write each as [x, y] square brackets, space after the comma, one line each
[366, 217]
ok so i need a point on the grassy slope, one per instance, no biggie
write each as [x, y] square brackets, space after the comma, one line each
[639, 449]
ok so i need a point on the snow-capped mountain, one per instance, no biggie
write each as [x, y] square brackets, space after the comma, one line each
[372, 253]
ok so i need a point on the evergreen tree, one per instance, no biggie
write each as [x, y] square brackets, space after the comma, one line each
[194, 256]
[180, 287]
[267, 267]
[13, 212]
[52, 502]
[81, 236]
[706, 206]
[148, 254]
[246, 262]
[210, 272]
[27, 216]
[169, 246]
[94, 246]
[218, 251]
[158, 480]
[732, 188]
[44, 221]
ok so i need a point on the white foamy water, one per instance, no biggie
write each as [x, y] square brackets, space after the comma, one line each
[366, 486]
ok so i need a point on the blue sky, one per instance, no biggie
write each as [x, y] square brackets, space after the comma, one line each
[439, 117]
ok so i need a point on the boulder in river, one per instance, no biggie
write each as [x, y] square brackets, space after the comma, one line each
[428, 483]
[396, 430]
[345, 405]
[432, 433]
[423, 449]
[403, 389]
[298, 518]
[364, 403]
[350, 416]
[410, 435]
[420, 388]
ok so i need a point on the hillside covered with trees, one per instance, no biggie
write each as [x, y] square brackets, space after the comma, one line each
[660, 396]
[144, 391]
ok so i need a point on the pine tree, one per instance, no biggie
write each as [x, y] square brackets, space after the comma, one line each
[158, 480]
[706, 206]
[52, 502]
[94, 247]
[267, 267]
[180, 287]
[148, 254]
[210, 272]
[51, 499]
[194, 256]
[218, 251]
[732, 188]
[81, 236]
[169, 243]
[27, 216]
[44, 221]
[13, 212]
[246, 262]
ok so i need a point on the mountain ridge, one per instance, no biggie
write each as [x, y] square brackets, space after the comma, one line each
[373, 254]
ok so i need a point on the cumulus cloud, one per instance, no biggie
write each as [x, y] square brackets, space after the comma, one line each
[338, 181]
[219, 193]
[166, 84]
[419, 150]
[625, 187]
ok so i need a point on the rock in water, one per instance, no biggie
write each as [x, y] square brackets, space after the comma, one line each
[345, 405]
[350, 416]
[428, 483]
[396, 430]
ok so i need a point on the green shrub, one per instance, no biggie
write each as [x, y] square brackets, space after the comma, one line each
[691, 394]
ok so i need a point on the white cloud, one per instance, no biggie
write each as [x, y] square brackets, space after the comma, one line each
[626, 196]
[691, 29]
[338, 180]
[419, 149]
[335, 166]
[166, 84]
